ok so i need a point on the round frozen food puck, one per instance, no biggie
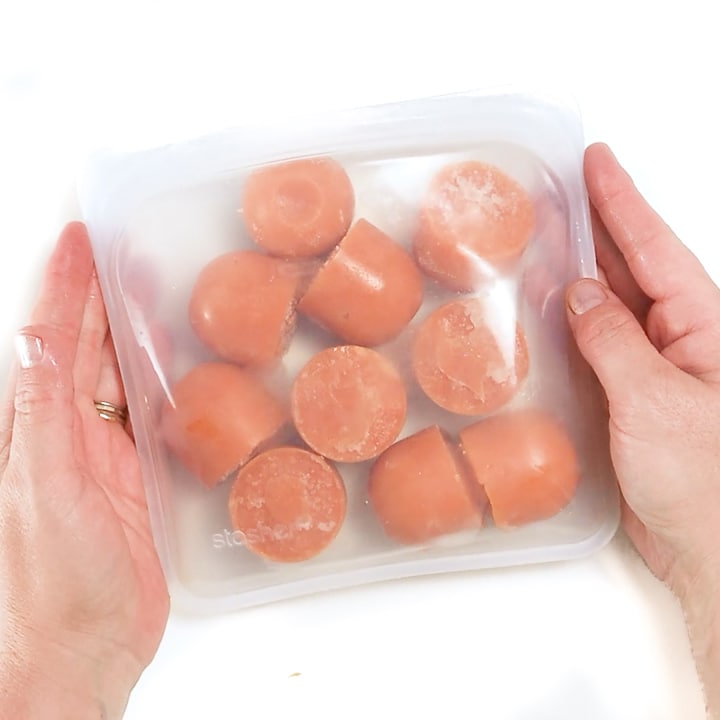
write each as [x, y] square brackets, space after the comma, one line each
[468, 359]
[526, 464]
[419, 490]
[216, 417]
[243, 307]
[367, 291]
[298, 208]
[348, 403]
[473, 219]
[288, 504]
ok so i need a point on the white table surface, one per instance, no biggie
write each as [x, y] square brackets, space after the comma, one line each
[594, 639]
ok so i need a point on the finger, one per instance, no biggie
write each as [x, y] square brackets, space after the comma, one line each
[7, 416]
[602, 276]
[44, 397]
[617, 273]
[109, 387]
[687, 333]
[93, 333]
[659, 262]
[611, 340]
[61, 300]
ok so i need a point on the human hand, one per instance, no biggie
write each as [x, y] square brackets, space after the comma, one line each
[83, 592]
[651, 332]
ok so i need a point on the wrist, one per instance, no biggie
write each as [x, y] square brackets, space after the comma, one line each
[705, 641]
[701, 605]
[63, 678]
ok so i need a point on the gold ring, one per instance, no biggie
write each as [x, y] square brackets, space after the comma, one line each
[111, 413]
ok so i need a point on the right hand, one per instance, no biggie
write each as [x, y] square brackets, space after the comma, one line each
[651, 332]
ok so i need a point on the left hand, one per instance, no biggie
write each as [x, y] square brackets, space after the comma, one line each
[81, 585]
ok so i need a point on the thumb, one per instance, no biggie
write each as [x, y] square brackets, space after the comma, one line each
[42, 432]
[611, 339]
[43, 418]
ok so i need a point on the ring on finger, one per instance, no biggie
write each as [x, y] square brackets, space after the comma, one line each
[110, 412]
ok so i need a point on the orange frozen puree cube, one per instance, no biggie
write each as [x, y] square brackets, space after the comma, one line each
[474, 219]
[368, 290]
[217, 417]
[242, 306]
[288, 504]
[525, 462]
[348, 403]
[298, 208]
[468, 360]
[419, 490]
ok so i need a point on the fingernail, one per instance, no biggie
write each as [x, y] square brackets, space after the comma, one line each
[585, 295]
[29, 349]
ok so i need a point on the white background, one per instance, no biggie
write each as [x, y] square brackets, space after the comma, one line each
[596, 639]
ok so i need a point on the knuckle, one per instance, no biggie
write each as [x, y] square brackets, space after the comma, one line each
[603, 328]
[639, 250]
[38, 398]
[614, 197]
